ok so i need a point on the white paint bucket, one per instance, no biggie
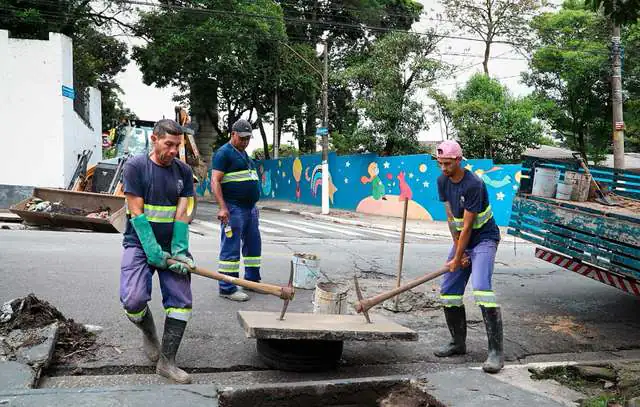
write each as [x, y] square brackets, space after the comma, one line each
[306, 270]
[580, 183]
[330, 298]
[564, 191]
[545, 181]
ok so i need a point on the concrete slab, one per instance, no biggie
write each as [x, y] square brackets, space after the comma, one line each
[466, 387]
[266, 325]
[130, 396]
[14, 375]
[34, 346]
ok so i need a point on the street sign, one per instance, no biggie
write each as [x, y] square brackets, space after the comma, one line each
[619, 125]
[68, 92]
[321, 131]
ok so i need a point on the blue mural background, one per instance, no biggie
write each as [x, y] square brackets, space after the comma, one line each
[371, 184]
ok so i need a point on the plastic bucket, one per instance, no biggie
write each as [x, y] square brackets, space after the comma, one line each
[306, 270]
[330, 298]
[564, 191]
[545, 181]
[580, 183]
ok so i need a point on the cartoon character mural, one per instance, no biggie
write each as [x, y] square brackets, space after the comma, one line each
[315, 180]
[265, 181]
[380, 203]
[495, 183]
[377, 187]
[405, 190]
[297, 172]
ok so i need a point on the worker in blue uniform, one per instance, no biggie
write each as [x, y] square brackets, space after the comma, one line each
[234, 182]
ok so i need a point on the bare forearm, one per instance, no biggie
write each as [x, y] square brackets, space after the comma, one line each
[450, 222]
[217, 192]
[181, 210]
[463, 242]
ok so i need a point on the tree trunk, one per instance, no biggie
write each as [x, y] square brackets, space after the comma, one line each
[265, 142]
[487, 53]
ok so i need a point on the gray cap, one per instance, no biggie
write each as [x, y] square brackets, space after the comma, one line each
[243, 128]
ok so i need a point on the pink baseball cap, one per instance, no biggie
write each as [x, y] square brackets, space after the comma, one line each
[449, 149]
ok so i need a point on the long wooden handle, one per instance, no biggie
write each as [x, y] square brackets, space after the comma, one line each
[367, 303]
[285, 293]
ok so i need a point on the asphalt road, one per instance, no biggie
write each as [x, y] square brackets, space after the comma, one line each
[549, 314]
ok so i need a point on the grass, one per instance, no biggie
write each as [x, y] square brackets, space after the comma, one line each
[569, 377]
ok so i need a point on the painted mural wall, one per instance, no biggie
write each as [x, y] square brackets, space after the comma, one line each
[378, 185]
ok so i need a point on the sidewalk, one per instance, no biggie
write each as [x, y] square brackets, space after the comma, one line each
[341, 216]
[461, 387]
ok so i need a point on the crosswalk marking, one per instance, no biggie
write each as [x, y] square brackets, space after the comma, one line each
[322, 226]
[269, 230]
[216, 226]
[285, 225]
[375, 232]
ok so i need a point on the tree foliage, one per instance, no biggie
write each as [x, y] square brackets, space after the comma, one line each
[490, 123]
[570, 71]
[620, 11]
[505, 20]
[386, 83]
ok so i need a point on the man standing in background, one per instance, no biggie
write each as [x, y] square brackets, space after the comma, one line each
[235, 185]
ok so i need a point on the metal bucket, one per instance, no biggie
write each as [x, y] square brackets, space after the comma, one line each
[306, 270]
[564, 191]
[545, 181]
[330, 298]
[580, 183]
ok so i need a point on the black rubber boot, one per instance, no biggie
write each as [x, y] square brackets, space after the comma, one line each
[457, 323]
[493, 322]
[150, 342]
[173, 331]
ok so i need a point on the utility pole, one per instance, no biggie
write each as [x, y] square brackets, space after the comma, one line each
[325, 133]
[616, 97]
[276, 141]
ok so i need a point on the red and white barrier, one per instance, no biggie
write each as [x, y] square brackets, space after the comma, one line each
[628, 285]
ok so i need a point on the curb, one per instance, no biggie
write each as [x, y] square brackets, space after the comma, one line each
[351, 222]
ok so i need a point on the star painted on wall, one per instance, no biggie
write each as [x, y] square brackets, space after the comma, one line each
[273, 194]
[500, 196]
[284, 174]
[289, 182]
[386, 164]
[410, 175]
[468, 167]
[347, 164]
[515, 187]
[425, 184]
[346, 180]
[276, 185]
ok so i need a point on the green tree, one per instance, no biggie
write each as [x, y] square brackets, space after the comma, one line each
[620, 11]
[386, 83]
[570, 71]
[490, 123]
[494, 20]
[285, 150]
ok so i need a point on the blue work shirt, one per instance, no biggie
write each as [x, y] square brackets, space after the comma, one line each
[240, 182]
[160, 188]
[470, 194]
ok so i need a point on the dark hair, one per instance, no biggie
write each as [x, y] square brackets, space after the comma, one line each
[167, 126]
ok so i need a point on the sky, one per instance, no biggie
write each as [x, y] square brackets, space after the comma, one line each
[151, 103]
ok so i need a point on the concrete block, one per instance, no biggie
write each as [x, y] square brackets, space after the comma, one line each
[34, 346]
[330, 327]
[15, 375]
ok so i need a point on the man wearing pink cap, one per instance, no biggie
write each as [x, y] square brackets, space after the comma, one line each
[476, 236]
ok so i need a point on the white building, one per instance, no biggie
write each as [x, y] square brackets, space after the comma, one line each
[44, 135]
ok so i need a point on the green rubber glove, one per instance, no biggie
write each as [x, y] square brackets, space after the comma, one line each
[180, 248]
[155, 255]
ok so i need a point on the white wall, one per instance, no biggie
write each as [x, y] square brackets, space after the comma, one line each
[46, 133]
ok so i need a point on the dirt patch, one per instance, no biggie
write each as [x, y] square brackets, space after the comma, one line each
[569, 326]
[605, 385]
[408, 396]
[31, 312]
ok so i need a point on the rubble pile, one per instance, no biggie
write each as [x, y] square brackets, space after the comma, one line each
[39, 205]
[30, 312]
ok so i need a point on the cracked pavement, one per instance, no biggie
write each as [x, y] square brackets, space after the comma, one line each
[549, 314]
